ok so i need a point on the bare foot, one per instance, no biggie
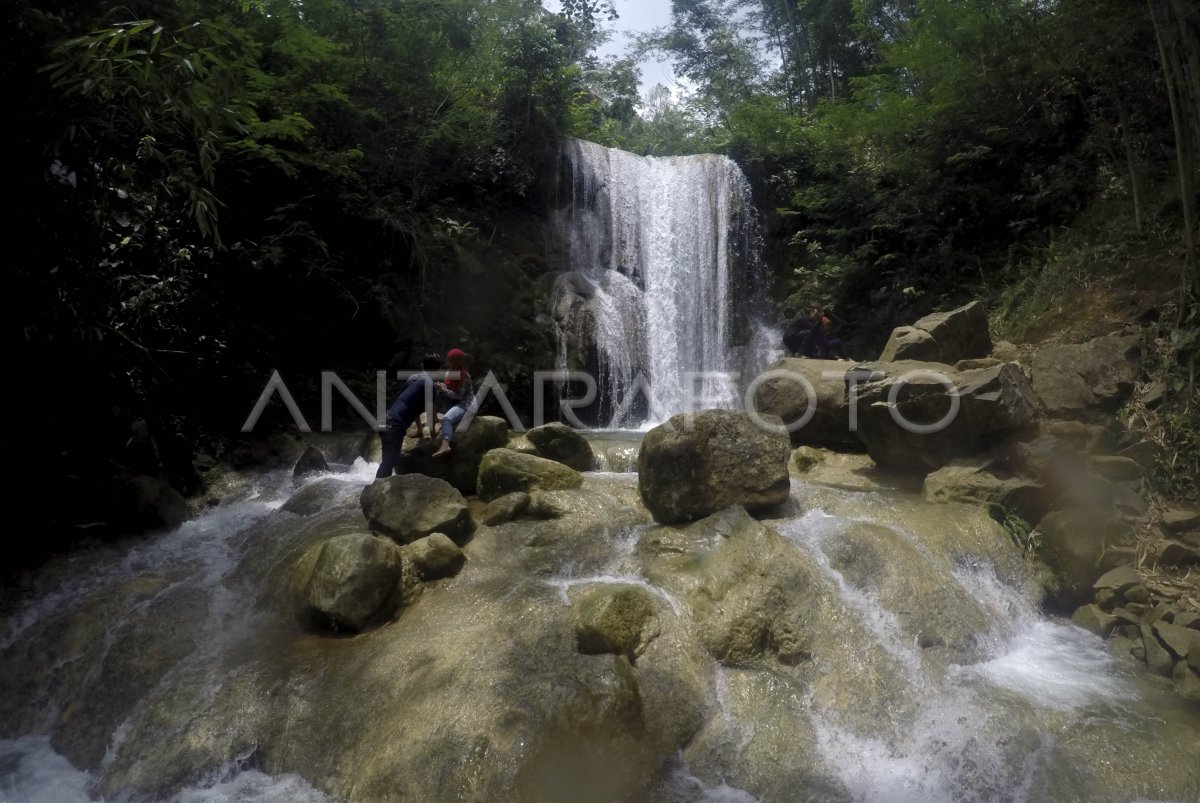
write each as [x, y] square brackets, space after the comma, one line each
[443, 449]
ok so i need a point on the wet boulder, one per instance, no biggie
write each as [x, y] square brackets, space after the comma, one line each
[556, 441]
[435, 556]
[320, 495]
[348, 582]
[411, 506]
[937, 615]
[618, 619]
[310, 462]
[697, 464]
[504, 471]
[505, 508]
[754, 597]
[468, 446]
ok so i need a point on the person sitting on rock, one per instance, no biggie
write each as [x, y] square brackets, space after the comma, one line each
[797, 335]
[823, 346]
[459, 391]
[405, 411]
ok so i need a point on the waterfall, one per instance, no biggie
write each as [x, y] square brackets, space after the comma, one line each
[663, 283]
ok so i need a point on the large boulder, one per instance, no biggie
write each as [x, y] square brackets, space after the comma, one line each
[910, 343]
[992, 402]
[461, 466]
[696, 464]
[785, 394]
[1086, 379]
[755, 599]
[504, 471]
[411, 506]
[960, 333]
[947, 337]
[556, 441]
[347, 582]
[1077, 544]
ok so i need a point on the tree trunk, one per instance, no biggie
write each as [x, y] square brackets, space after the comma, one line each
[1134, 186]
[1175, 52]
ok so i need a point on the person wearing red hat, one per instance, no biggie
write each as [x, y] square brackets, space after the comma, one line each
[459, 390]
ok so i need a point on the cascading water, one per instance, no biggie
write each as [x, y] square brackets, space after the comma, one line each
[659, 303]
[890, 650]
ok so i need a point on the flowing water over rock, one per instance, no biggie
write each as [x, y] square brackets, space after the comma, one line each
[664, 282]
[866, 646]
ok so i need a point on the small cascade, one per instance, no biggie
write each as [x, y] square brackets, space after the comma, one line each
[179, 606]
[953, 736]
[659, 305]
[884, 652]
[32, 772]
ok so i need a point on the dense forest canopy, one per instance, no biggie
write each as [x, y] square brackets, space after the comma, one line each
[219, 189]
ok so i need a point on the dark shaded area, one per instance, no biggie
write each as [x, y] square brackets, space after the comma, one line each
[211, 192]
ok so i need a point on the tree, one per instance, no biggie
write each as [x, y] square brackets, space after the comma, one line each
[1177, 32]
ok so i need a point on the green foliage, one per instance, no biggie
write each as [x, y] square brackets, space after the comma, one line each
[1019, 530]
[219, 189]
[297, 183]
[904, 149]
[175, 100]
[1174, 422]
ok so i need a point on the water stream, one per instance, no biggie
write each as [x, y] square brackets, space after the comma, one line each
[165, 664]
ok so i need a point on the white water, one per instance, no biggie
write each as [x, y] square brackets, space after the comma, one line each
[955, 743]
[202, 554]
[663, 256]
[32, 772]
[952, 747]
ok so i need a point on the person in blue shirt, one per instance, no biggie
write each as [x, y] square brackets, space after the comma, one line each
[415, 396]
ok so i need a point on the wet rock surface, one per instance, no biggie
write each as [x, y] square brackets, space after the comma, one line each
[698, 464]
[411, 506]
[347, 582]
[787, 658]
[504, 471]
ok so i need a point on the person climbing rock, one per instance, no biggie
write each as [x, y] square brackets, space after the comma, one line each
[417, 394]
[459, 391]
